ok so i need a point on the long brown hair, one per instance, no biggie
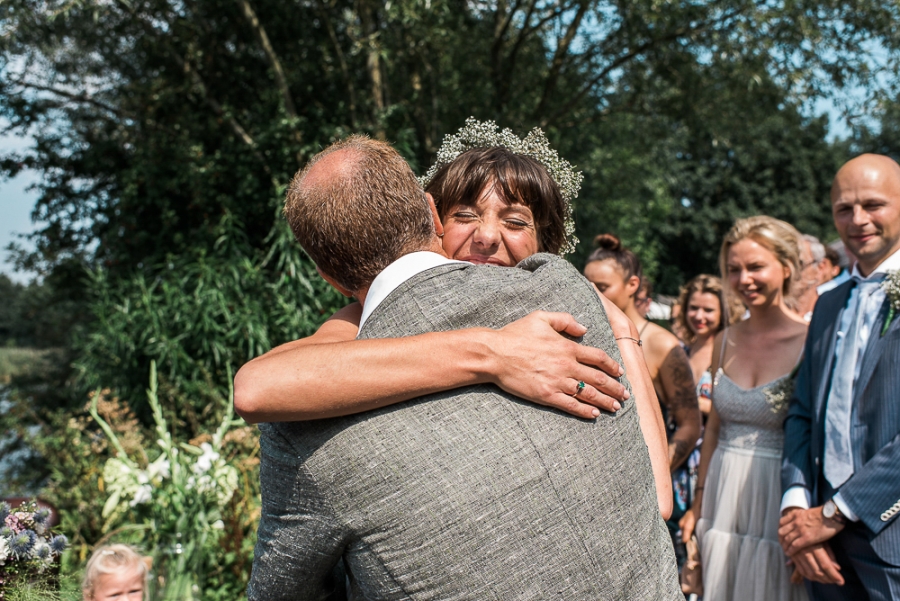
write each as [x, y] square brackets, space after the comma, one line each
[707, 284]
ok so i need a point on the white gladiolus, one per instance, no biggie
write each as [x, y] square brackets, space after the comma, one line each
[205, 461]
[143, 494]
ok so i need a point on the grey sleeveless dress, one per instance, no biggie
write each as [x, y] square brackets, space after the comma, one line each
[738, 528]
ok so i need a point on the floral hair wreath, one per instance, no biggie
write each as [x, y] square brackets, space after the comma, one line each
[486, 134]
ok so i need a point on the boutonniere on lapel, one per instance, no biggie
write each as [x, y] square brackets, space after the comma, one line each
[779, 394]
[891, 286]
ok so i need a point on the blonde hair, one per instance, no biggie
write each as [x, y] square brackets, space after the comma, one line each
[704, 284]
[779, 237]
[110, 559]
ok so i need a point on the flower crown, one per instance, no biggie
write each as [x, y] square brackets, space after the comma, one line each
[486, 134]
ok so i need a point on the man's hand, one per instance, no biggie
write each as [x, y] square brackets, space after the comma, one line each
[537, 364]
[801, 528]
[817, 563]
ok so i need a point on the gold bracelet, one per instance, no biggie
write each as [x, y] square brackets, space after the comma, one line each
[639, 342]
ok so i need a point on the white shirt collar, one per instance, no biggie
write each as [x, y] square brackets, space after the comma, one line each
[892, 263]
[395, 274]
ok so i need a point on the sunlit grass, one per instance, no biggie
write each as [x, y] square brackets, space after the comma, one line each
[16, 361]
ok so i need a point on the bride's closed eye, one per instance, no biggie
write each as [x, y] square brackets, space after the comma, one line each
[463, 215]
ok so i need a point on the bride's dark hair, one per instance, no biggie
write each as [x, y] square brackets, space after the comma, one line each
[515, 178]
[610, 247]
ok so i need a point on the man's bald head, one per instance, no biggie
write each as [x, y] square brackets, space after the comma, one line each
[865, 203]
[357, 207]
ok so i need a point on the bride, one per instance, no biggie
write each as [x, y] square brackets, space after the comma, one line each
[500, 199]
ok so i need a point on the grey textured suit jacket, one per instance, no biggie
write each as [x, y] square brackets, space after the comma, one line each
[472, 493]
[873, 491]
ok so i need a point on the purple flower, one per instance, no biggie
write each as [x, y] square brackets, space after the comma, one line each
[43, 551]
[41, 516]
[59, 543]
[21, 543]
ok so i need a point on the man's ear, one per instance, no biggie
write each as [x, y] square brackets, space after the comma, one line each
[438, 226]
[333, 283]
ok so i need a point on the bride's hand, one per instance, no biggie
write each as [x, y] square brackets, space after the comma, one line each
[688, 523]
[536, 363]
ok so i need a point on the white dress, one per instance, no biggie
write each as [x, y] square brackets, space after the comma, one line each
[738, 528]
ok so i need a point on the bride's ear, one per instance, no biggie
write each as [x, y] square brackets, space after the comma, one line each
[438, 226]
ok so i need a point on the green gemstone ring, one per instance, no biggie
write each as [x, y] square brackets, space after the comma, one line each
[579, 389]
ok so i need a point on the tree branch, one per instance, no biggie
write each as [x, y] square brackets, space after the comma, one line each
[83, 97]
[348, 81]
[628, 56]
[274, 62]
[562, 48]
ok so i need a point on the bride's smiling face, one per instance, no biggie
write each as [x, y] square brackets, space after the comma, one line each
[490, 230]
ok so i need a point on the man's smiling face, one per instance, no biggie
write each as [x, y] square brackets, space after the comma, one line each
[865, 203]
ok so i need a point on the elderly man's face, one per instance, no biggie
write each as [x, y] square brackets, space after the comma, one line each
[865, 203]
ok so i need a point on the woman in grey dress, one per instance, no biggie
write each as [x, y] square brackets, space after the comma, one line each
[737, 506]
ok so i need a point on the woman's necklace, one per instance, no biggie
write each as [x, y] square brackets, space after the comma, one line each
[643, 327]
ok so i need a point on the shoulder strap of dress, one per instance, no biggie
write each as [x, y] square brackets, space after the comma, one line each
[722, 350]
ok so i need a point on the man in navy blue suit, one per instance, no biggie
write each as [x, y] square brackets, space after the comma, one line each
[841, 471]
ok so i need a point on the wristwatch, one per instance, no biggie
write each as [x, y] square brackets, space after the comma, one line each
[830, 511]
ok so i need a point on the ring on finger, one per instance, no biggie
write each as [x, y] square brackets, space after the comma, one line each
[579, 388]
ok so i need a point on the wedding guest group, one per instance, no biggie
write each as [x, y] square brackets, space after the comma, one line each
[486, 422]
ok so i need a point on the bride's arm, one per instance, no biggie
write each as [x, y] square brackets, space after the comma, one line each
[331, 374]
[653, 427]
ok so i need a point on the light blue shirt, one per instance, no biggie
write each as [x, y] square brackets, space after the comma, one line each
[833, 283]
[799, 496]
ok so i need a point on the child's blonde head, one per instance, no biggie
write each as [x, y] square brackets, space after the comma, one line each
[111, 559]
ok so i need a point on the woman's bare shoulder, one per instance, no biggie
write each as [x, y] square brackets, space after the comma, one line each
[659, 336]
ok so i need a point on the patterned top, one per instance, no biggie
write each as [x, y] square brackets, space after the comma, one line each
[748, 421]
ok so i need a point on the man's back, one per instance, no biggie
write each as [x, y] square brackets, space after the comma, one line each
[469, 494]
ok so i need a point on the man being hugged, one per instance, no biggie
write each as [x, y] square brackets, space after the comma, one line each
[469, 493]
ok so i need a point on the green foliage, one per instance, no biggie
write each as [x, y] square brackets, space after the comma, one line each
[198, 318]
[34, 315]
[177, 496]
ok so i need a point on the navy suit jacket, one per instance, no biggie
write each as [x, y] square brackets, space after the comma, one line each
[873, 491]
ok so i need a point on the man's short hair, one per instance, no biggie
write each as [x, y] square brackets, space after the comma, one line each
[358, 220]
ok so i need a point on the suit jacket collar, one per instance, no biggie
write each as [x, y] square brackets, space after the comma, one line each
[873, 351]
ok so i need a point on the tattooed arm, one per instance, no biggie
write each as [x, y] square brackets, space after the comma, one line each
[680, 396]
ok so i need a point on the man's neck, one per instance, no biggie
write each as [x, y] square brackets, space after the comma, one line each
[866, 268]
[435, 247]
